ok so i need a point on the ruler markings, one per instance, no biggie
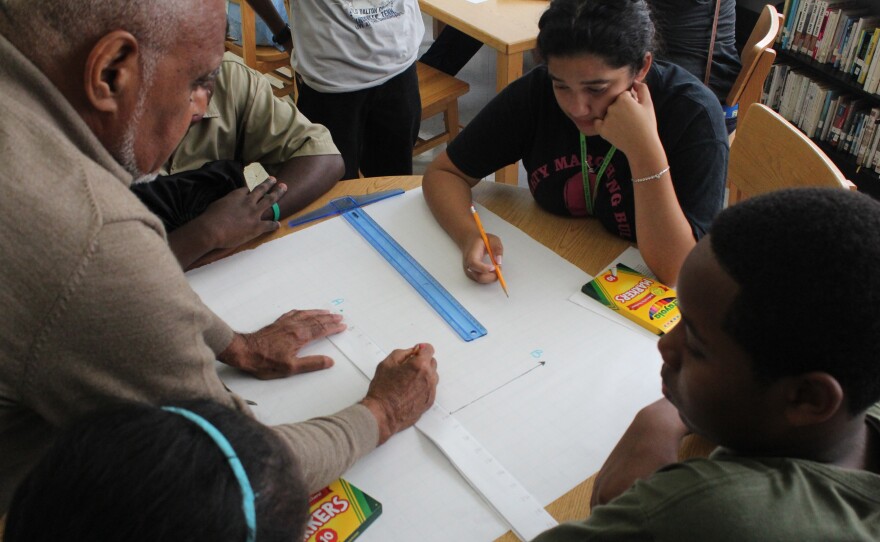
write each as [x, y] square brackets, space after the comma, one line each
[494, 483]
[462, 321]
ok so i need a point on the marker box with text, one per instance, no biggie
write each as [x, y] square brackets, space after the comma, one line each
[642, 299]
[339, 513]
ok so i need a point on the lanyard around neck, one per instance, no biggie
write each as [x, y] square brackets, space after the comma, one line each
[589, 196]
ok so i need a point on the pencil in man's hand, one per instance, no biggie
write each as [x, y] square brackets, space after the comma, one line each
[489, 249]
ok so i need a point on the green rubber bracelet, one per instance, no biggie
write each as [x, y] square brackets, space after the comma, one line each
[277, 211]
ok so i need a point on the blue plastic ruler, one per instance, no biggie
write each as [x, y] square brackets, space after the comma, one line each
[463, 322]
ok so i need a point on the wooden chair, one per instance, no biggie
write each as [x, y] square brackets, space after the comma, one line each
[757, 57]
[439, 93]
[264, 59]
[770, 153]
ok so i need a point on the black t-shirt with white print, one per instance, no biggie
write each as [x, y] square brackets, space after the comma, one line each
[524, 122]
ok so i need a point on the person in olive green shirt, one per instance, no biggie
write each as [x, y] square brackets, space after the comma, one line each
[201, 195]
[777, 359]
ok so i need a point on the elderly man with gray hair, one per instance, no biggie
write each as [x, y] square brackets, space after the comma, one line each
[96, 94]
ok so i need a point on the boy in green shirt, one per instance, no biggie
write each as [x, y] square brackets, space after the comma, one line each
[777, 360]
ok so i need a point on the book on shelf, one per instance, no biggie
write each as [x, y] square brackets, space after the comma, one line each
[843, 42]
[833, 33]
[826, 34]
[828, 119]
[838, 120]
[820, 104]
[867, 136]
[854, 40]
[800, 99]
[858, 47]
[792, 85]
[873, 154]
[874, 162]
[803, 14]
[850, 17]
[869, 57]
[830, 105]
[812, 26]
[785, 36]
[827, 27]
[861, 52]
[778, 74]
[852, 127]
[806, 104]
[873, 72]
[768, 83]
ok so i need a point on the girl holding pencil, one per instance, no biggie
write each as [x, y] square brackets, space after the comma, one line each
[604, 130]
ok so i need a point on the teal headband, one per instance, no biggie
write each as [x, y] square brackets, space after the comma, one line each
[247, 493]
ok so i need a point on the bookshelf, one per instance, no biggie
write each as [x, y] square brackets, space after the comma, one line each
[824, 75]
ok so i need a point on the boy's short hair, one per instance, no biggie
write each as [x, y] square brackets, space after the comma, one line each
[807, 262]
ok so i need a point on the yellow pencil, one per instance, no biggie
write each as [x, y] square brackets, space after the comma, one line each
[489, 250]
[413, 352]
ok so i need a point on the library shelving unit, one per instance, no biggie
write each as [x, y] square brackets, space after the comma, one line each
[866, 179]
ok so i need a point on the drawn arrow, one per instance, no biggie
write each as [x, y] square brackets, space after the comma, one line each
[539, 365]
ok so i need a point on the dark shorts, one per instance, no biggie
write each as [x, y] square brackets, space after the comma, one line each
[179, 198]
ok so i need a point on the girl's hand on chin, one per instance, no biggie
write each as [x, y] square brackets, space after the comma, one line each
[629, 123]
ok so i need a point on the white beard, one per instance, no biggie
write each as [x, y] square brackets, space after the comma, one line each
[147, 178]
[125, 154]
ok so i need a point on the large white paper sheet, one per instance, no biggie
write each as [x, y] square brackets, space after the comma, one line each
[550, 425]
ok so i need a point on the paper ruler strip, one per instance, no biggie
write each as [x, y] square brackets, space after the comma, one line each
[513, 502]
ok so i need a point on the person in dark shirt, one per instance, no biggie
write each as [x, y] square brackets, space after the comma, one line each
[775, 360]
[603, 130]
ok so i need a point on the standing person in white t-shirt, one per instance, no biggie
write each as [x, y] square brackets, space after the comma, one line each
[355, 66]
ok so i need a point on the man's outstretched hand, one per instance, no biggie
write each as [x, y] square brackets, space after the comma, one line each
[271, 352]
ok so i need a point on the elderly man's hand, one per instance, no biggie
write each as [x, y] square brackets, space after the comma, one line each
[271, 352]
[402, 389]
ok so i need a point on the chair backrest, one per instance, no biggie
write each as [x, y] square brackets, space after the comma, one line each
[264, 59]
[757, 57]
[769, 153]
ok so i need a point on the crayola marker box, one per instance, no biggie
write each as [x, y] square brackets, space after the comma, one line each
[642, 299]
[340, 513]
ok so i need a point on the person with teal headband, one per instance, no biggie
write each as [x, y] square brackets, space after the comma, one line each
[603, 130]
[195, 471]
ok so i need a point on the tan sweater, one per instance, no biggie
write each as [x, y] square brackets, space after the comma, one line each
[93, 305]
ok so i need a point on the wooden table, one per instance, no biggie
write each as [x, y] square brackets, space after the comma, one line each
[508, 26]
[583, 242]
